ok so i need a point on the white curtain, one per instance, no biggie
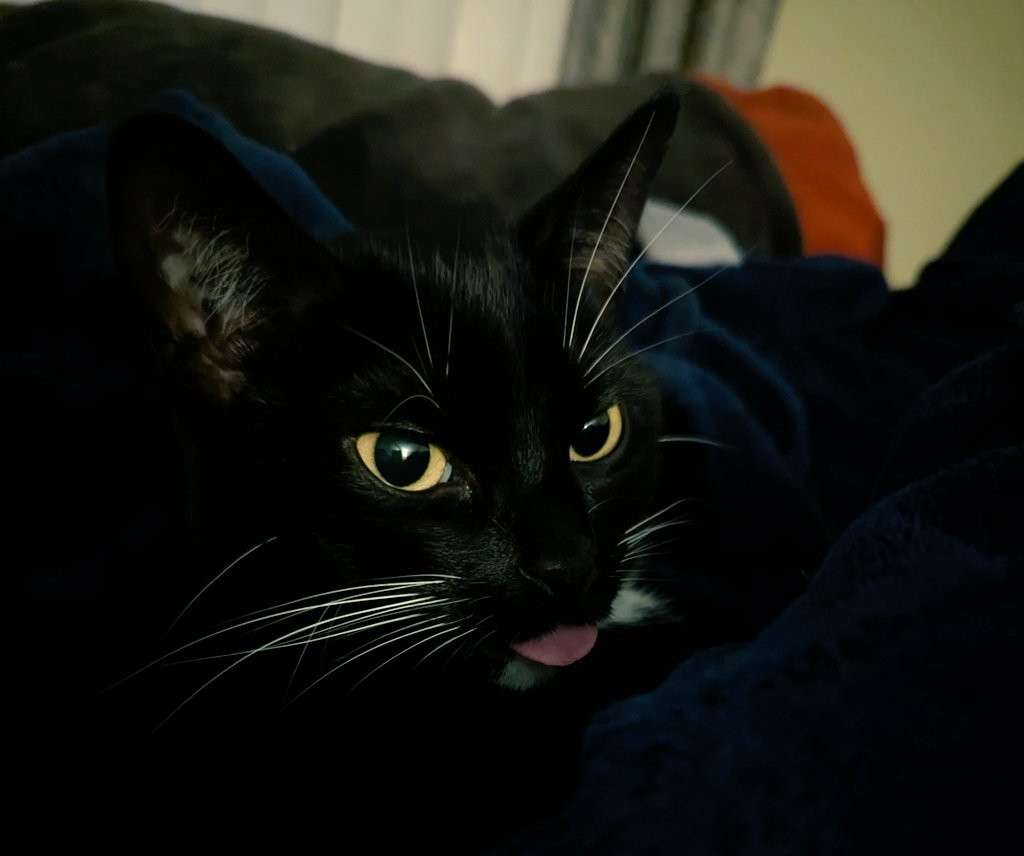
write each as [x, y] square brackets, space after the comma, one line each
[512, 47]
[505, 47]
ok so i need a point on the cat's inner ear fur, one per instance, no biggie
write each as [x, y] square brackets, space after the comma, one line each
[209, 254]
[207, 302]
[589, 222]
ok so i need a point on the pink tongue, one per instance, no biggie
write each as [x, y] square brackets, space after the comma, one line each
[560, 647]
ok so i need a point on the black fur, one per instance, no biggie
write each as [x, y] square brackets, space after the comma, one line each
[277, 354]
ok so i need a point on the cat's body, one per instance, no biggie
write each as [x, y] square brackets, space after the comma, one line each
[424, 485]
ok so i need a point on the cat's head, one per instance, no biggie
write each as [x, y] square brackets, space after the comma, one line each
[401, 453]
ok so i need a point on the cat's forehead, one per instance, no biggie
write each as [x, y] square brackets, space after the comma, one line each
[488, 278]
[478, 328]
[487, 293]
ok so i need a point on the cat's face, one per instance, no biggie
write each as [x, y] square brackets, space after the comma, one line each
[415, 455]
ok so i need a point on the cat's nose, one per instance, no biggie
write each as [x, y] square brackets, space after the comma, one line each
[562, 574]
[558, 554]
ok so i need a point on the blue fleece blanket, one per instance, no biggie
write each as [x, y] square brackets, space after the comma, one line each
[868, 484]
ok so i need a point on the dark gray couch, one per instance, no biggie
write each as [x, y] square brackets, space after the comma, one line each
[385, 145]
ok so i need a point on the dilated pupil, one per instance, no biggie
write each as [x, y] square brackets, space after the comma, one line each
[592, 436]
[399, 460]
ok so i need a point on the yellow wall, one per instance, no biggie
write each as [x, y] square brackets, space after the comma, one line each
[930, 91]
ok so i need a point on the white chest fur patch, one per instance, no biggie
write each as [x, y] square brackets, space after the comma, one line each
[633, 605]
[522, 674]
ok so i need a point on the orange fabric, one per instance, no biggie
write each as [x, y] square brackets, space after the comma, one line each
[819, 165]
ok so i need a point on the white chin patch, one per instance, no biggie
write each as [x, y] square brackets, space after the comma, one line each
[633, 605]
[522, 674]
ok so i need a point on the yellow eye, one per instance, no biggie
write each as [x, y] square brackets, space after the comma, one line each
[403, 462]
[598, 437]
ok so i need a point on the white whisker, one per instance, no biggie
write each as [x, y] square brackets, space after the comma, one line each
[600, 235]
[393, 589]
[632, 540]
[360, 615]
[568, 279]
[397, 356]
[451, 308]
[656, 514]
[201, 591]
[269, 616]
[650, 315]
[344, 628]
[597, 505]
[449, 627]
[446, 642]
[416, 291]
[643, 252]
[268, 621]
[406, 400]
[405, 577]
[287, 641]
[387, 639]
[419, 355]
[302, 652]
[340, 631]
[221, 674]
[639, 557]
[682, 438]
[639, 550]
[483, 639]
[633, 354]
[268, 646]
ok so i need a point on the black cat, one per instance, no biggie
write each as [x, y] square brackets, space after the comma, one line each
[423, 481]
[450, 455]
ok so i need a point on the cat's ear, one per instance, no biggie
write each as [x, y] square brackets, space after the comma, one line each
[590, 220]
[212, 258]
